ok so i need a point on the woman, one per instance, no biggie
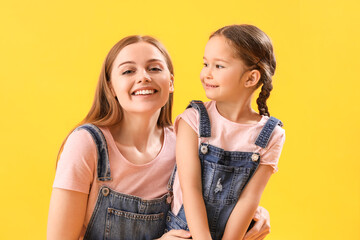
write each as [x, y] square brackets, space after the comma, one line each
[127, 150]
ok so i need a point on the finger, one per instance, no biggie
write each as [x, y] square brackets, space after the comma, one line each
[255, 230]
[179, 233]
[257, 216]
[262, 236]
[265, 228]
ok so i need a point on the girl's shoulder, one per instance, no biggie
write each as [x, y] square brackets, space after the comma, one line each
[277, 137]
[279, 129]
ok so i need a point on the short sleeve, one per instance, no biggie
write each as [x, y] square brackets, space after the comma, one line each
[76, 166]
[191, 117]
[271, 154]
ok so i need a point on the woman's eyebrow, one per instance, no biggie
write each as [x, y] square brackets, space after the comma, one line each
[155, 60]
[132, 62]
[127, 62]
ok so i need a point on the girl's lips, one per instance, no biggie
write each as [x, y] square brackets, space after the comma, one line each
[210, 86]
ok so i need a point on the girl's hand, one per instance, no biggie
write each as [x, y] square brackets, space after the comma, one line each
[261, 227]
[176, 234]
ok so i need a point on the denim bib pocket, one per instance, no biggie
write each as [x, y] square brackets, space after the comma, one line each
[141, 226]
[221, 183]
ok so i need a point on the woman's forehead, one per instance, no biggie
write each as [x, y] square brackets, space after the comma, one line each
[139, 52]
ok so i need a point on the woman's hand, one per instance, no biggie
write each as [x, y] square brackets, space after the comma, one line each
[261, 227]
[176, 234]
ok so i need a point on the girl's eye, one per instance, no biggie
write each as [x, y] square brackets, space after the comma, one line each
[127, 72]
[219, 66]
[155, 69]
[205, 64]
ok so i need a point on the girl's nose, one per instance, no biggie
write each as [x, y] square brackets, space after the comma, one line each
[208, 73]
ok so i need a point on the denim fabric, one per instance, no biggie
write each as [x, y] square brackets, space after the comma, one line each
[103, 167]
[121, 216]
[204, 123]
[224, 176]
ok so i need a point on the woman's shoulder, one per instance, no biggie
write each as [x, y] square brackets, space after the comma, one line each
[77, 162]
[81, 141]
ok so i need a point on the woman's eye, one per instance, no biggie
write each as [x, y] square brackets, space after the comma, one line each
[205, 64]
[155, 69]
[127, 72]
[219, 66]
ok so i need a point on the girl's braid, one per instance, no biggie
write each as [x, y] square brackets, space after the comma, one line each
[264, 95]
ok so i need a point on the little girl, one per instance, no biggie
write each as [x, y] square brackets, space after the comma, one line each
[227, 143]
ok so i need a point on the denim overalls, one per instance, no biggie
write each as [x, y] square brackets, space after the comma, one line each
[224, 175]
[121, 216]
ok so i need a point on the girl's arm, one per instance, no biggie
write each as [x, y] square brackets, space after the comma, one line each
[175, 234]
[261, 227]
[244, 210]
[189, 169]
[66, 214]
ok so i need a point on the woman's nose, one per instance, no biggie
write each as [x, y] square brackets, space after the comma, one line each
[144, 77]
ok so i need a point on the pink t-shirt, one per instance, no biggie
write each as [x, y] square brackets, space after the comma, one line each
[76, 169]
[231, 136]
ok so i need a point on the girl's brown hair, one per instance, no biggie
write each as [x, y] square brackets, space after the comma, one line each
[106, 110]
[254, 47]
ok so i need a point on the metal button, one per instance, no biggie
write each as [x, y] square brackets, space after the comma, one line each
[254, 157]
[204, 149]
[168, 218]
[105, 191]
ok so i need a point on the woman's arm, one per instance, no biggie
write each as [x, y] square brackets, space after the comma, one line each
[244, 210]
[189, 169]
[66, 214]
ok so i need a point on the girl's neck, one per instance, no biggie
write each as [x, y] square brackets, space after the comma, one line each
[238, 111]
[137, 130]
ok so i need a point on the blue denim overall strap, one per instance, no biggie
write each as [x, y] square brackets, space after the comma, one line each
[263, 139]
[171, 181]
[204, 123]
[122, 216]
[103, 166]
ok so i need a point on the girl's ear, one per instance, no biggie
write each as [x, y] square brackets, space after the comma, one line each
[171, 88]
[253, 78]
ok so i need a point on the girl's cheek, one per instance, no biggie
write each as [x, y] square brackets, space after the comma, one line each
[202, 74]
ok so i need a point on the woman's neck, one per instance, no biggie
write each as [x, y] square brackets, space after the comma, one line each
[138, 130]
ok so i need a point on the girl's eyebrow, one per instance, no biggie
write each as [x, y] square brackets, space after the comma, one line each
[132, 62]
[217, 59]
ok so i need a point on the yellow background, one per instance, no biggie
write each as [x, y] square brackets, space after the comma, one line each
[51, 53]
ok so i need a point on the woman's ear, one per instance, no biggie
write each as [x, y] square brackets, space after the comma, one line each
[253, 78]
[171, 88]
[111, 89]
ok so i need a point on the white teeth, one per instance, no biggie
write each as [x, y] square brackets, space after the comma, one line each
[144, 92]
